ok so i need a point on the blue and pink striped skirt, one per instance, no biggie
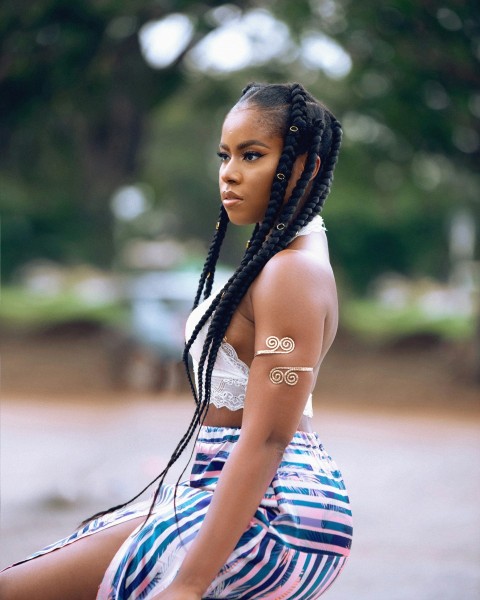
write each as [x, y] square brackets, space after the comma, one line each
[296, 545]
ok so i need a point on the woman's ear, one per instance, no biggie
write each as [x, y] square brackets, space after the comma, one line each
[297, 170]
[318, 162]
[299, 166]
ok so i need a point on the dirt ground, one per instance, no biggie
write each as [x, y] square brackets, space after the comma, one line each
[402, 422]
[415, 374]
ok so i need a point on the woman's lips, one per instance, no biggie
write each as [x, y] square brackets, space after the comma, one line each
[230, 199]
[229, 202]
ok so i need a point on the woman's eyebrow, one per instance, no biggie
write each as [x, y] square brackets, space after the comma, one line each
[246, 144]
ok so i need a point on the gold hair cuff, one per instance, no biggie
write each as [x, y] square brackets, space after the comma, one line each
[293, 128]
[277, 346]
[280, 176]
[286, 375]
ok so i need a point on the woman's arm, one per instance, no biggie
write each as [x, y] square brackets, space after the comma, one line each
[285, 305]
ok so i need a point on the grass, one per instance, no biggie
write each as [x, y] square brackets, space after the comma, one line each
[372, 320]
[368, 319]
[22, 308]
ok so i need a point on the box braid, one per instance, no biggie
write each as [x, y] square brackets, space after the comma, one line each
[308, 128]
[208, 273]
[305, 132]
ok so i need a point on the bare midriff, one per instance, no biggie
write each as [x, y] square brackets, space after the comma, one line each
[223, 417]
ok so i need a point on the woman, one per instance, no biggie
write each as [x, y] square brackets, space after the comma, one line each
[265, 513]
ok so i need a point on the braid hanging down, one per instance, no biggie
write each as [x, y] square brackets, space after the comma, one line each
[307, 127]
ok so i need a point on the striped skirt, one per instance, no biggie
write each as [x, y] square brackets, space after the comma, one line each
[296, 545]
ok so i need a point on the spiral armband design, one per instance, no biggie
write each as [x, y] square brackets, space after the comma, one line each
[286, 375]
[278, 346]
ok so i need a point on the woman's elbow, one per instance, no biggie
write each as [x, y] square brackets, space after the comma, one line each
[277, 442]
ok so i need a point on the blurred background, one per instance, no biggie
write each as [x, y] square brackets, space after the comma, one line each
[110, 115]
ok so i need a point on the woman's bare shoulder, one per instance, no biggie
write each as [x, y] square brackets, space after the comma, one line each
[296, 270]
[297, 279]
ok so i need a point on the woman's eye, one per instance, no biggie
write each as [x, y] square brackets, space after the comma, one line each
[223, 156]
[251, 156]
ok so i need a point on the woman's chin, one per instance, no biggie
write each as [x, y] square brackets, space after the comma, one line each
[239, 220]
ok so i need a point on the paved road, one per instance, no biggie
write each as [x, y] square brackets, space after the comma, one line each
[414, 484]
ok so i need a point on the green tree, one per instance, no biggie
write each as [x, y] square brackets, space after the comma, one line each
[414, 109]
[75, 96]
[83, 113]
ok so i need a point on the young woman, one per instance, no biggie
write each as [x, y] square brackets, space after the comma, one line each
[264, 514]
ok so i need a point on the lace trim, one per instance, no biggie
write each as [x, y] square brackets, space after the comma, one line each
[225, 393]
[229, 392]
[232, 357]
[316, 224]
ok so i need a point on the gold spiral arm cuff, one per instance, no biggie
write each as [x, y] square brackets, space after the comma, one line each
[277, 346]
[286, 375]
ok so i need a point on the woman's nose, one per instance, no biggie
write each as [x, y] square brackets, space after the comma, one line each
[229, 172]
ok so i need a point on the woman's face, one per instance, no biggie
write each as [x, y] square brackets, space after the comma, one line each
[249, 153]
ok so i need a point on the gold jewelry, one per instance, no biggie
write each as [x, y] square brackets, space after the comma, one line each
[281, 226]
[280, 176]
[277, 346]
[286, 375]
[293, 128]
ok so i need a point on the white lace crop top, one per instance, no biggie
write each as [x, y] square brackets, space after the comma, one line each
[230, 374]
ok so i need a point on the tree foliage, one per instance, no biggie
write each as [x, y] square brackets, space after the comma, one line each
[75, 97]
[83, 113]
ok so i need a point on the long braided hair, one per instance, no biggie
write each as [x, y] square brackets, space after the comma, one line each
[307, 127]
